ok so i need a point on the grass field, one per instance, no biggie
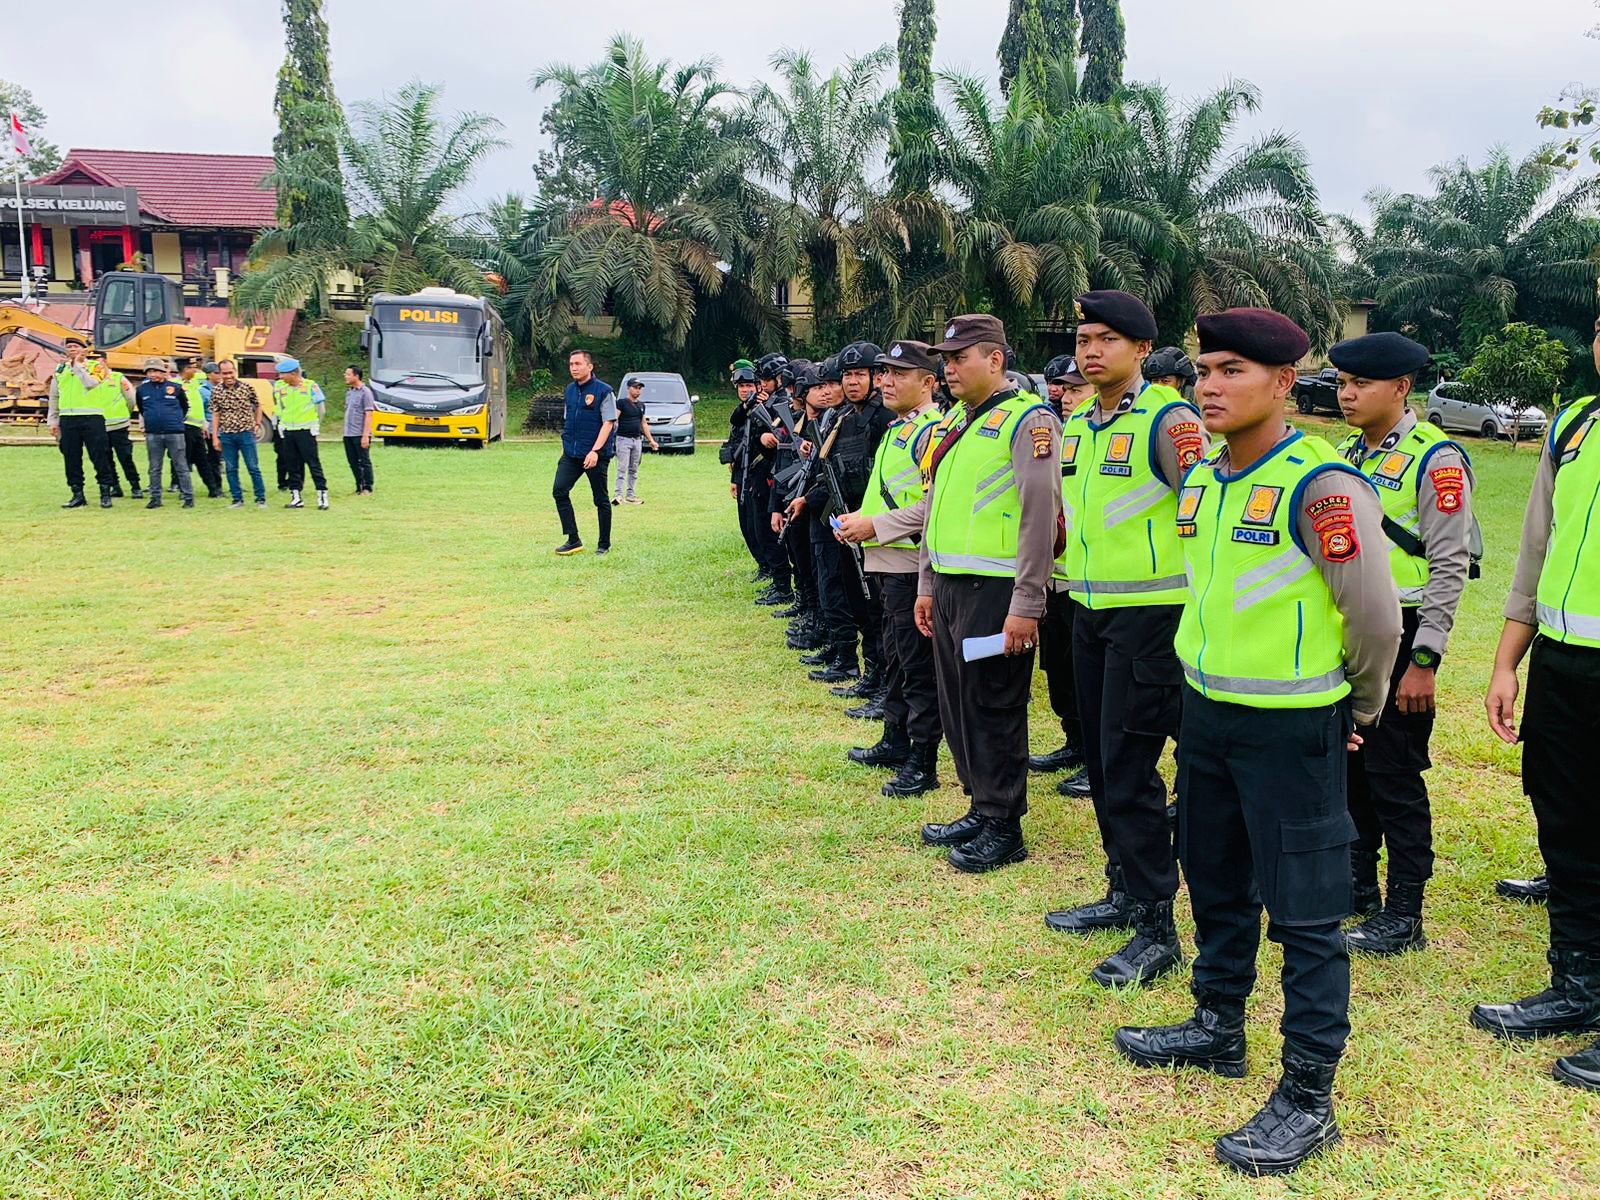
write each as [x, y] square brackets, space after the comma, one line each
[380, 853]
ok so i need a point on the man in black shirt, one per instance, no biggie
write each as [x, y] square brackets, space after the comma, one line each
[633, 431]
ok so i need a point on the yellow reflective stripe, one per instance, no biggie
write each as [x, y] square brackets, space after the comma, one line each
[1244, 686]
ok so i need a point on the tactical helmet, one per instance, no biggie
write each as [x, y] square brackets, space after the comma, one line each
[829, 370]
[805, 378]
[770, 366]
[1169, 360]
[859, 356]
[1059, 366]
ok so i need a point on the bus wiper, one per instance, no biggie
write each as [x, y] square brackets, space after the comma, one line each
[421, 375]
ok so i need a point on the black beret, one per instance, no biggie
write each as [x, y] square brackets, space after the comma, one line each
[1379, 356]
[1258, 334]
[1125, 313]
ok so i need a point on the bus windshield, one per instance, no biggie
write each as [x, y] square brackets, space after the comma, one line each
[405, 345]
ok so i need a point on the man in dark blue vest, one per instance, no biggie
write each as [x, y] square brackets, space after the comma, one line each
[587, 444]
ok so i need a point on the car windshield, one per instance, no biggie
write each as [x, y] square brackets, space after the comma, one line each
[662, 394]
[421, 354]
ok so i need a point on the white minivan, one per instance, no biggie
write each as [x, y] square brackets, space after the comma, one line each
[1450, 411]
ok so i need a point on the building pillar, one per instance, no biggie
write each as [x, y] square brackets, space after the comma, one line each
[128, 247]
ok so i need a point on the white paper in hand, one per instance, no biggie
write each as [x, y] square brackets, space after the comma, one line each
[974, 648]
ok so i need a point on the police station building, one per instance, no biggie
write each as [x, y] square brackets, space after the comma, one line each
[191, 217]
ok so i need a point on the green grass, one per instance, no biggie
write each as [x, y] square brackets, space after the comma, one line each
[380, 853]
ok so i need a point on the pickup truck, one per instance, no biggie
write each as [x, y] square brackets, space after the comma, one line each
[1318, 393]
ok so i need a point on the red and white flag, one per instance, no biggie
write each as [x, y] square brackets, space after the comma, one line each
[19, 138]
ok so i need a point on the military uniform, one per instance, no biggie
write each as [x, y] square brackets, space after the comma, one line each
[760, 469]
[1556, 592]
[1286, 641]
[1122, 467]
[805, 631]
[994, 504]
[1424, 482]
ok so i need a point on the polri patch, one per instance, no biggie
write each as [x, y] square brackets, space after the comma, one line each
[1069, 450]
[1187, 441]
[1449, 487]
[1189, 505]
[1338, 537]
[1043, 440]
[1255, 537]
[1120, 450]
[1262, 505]
[1394, 464]
[991, 425]
[1328, 504]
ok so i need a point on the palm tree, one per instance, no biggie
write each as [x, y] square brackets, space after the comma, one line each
[820, 136]
[1246, 227]
[1494, 244]
[403, 163]
[1047, 206]
[676, 221]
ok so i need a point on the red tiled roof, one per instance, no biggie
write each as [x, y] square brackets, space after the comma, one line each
[183, 189]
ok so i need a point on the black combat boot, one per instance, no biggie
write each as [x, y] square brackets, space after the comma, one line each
[105, 496]
[1113, 911]
[116, 492]
[1581, 1069]
[1368, 898]
[774, 596]
[1296, 1122]
[1069, 757]
[1394, 930]
[872, 710]
[1076, 785]
[893, 748]
[1527, 891]
[795, 609]
[138, 492]
[919, 772]
[841, 666]
[1212, 1039]
[999, 845]
[1571, 1004]
[808, 636]
[77, 500]
[955, 833]
[1152, 952]
[821, 656]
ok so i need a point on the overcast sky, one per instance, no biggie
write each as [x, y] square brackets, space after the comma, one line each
[1379, 90]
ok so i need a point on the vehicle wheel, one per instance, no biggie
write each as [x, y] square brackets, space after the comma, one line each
[1490, 430]
[1436, 419]
[1303, 403]
[473, 443]
[690, 450]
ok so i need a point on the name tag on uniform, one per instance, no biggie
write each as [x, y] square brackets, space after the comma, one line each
[1255, 537]
[1186, 529]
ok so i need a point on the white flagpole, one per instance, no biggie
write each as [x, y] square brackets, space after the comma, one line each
[22, 240]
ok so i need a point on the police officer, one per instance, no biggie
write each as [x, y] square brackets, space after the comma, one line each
[115, 395]
[889, 525]
[78, 424]
[805, 625]
[736, 449]
[1124, 454]
[1425, 484]
[1170, 367]
[1068, 390]
[196, 420]
[762, 431]
[1554, 608]
[1289, 633]
[867, 418]
[298, 408]
[988, 546]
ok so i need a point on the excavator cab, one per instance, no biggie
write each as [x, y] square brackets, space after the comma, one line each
[129, 302]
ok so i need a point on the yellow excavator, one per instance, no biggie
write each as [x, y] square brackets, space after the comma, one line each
[136, 315]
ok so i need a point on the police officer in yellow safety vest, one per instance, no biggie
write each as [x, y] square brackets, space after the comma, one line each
[1287, 640]
[988, 546]
[196, 421]
[889, 525]
[1555, 609]
[1124, 453]
[1424, 482]
[298, 408]
[115, 397]
[78, 423]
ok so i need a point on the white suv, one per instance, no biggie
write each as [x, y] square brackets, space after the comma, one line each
[1449, 410]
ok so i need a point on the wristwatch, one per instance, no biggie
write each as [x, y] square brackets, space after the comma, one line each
[1428, 660]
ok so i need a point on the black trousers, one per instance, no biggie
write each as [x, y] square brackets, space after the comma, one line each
[299, 448]
[80, 433]
[796, 542]
[203, 459]
[360, 459]
[913, 696]
[1560, 725]
[1388, 797]
[1264, 821]
[983, 705]
[768, 551]
[121, 445]
[747, 529]
[1055, 657]
[866, 610]
[281, 455]
[829, 567]
[568, 471]
[1129, 686]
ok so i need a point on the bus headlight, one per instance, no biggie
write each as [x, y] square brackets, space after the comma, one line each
[382, 407]
[470, 411]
